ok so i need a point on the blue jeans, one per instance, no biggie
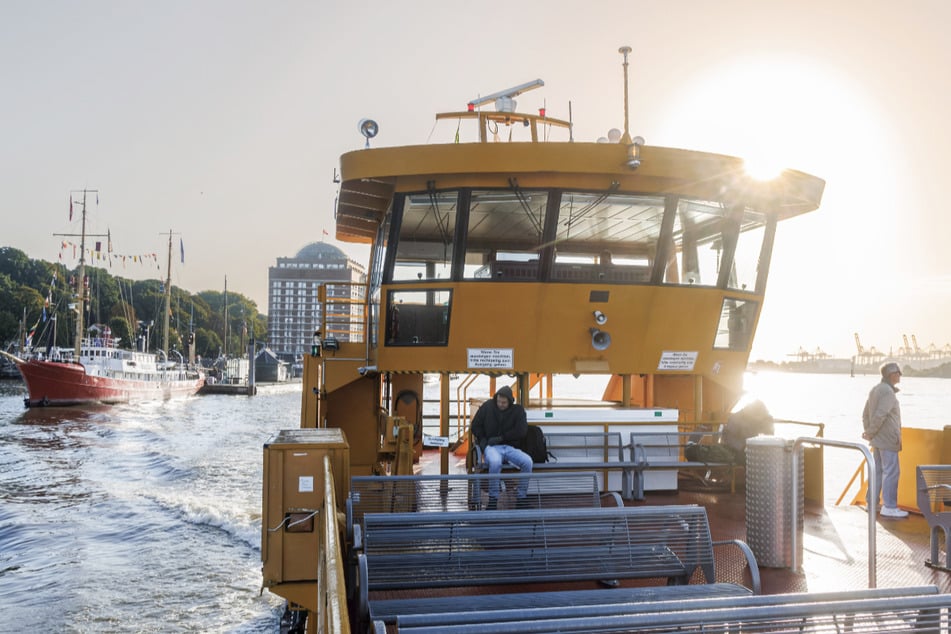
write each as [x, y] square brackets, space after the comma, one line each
[887, 469]
[495, 455]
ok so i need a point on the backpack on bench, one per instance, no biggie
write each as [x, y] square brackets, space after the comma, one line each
[534, 444]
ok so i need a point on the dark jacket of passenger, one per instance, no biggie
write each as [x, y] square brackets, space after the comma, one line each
[493, 426]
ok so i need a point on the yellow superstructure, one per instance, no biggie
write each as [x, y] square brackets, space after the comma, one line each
[555, 257]
[646, 265]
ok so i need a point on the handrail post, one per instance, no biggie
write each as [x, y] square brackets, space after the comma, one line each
[872, 506]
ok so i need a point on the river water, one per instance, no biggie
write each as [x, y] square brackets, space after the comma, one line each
[146, 518]
[140, 518]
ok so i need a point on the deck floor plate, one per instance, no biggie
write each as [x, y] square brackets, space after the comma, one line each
[835, 552]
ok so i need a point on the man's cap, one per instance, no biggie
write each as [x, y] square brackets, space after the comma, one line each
[889, 368]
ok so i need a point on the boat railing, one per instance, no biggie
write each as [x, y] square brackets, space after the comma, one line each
[858, 477]
[331, 588]
[343, 310]
[872, 508]
[489, 122]
[100, 342]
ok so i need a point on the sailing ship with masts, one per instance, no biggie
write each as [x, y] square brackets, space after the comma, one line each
[97, 370]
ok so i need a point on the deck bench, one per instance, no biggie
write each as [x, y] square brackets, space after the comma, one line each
[642, 457]
[483, 548]
[487, 616]
[464, 492]
[579, 451]
[934, 502]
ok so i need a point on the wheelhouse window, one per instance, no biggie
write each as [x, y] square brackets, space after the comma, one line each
[505, 234]
[427, 234]
[418, 318]
[606, 236]
[525, 235]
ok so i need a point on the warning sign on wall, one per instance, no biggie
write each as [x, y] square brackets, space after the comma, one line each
[491, 358]
[677, 360]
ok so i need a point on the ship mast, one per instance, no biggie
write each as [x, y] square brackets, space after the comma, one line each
[226, 319]
[80, 289]
[80, 286]
[168, 295]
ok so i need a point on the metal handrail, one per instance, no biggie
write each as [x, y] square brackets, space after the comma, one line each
[336, 618]
[352, 321]
[858, 474]
[872, 508]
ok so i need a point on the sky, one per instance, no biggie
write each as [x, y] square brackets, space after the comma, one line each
[223, 122]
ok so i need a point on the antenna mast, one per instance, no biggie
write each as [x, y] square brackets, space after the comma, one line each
[626, 139]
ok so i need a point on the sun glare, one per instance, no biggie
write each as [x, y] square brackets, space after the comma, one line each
[773, 113]
[796, 113]
[762, 168]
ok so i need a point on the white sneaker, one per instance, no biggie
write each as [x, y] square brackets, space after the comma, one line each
[893, 512]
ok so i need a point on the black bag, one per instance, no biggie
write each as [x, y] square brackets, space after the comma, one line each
[534, 444]
[696, 452]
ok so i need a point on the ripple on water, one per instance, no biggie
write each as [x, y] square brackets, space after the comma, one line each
[135, 518]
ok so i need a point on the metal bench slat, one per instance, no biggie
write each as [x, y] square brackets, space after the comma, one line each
[498, 608]
[855, 612]
[481, 607]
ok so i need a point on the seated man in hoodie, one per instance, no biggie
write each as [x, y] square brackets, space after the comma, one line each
[498, 428]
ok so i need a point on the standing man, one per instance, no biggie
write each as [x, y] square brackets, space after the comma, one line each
[882, 422]
[498, 428]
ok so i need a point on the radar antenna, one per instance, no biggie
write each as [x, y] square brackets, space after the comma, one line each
[505, 99]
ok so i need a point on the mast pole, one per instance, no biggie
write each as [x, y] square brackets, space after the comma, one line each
[226, 318]
[80, 290]
[168, 295]
[626, 138]
[21, 335]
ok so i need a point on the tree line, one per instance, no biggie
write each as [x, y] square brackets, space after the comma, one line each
[33, 292]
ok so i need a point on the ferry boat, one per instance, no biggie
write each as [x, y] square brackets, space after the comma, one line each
[96, 370]
[521, 255]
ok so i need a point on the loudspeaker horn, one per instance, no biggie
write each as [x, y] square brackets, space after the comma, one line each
[600, 340]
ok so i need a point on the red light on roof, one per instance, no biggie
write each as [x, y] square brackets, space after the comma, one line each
[541, 112]
[470, 107]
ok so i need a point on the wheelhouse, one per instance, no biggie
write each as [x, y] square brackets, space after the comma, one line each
[569, 257]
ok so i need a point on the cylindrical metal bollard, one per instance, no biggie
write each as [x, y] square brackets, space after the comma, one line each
[769, 500]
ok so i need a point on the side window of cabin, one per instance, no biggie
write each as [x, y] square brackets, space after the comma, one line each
[505, 235]
[426, 237]
[376, 278]
[418, 318]
[697, 249]
[749, 251]
[735, 329]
